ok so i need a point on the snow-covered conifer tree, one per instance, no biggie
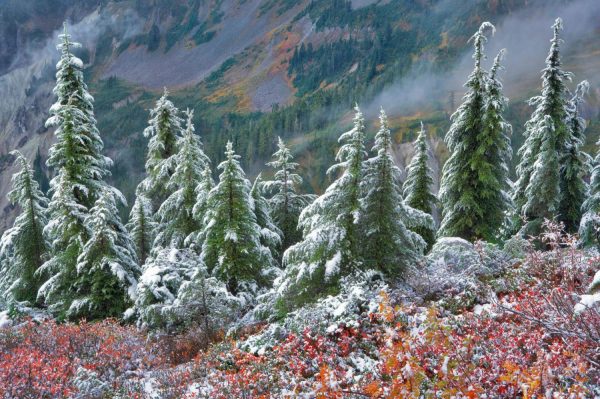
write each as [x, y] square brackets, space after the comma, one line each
[67, 233]
[472, 191]
[158, 286]
[80, 169]
[388, 244]
[205, 302]
[24, 246]
[286, 204]
[330, 247]
[164, 128]
[589, 228]
[499, 153]
[232, 250]
[142, 227]
[200, 208]
[175, 215]
[418, 184]
[544, 182]
[551, 103]
[270, 235]
[78, 147]
[575, 164]
[107, 268]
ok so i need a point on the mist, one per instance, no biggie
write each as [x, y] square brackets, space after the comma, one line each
[125, 24]
[526, 37]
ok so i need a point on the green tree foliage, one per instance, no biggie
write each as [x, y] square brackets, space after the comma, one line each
[67, 233]
[175, 216]
[232, 250]
[330, 246]
[270, 235]
[389, 245]
[575, 164]
[163, 129]
[200, 209]
[23, 247]
[418, 184]
[473, 184]
[78, 149]
[142, 227]
[107, 269]
[546, 136]
[285, 203]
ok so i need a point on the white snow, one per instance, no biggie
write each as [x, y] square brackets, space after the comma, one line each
[587, 302]
[5, 321]
[332, 266]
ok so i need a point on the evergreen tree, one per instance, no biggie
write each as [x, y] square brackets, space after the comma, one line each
[270, 235]
[472, 188]
[589, 229]
[498, 131]
[286, 204]
[575, 164]
[78, 148]
[175, 215]
[163, 275]
[107, 268]
[67, 233]
[418, 183]
[205, 303]
[544, 182]
[24, 246]
[389, 245]
[330, 245]
[232, 250]
[78, 185]
[67, 209]
[551, 103]
[200, 208]
[142, 227]
[163, 130]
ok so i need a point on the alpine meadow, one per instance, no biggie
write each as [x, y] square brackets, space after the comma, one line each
[300, 199]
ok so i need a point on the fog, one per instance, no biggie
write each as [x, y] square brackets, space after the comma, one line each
[526, 37]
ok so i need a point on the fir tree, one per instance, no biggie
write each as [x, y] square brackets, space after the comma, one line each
[205, 303]
[537, 147]
[575, 164]
[200, 208]
[163, 275]
[24, 246]
[418, 183]
[589, 228]
[67, 209]
[175, 215]
[389, 245]
[142, 227]
[163, 130]
[80, 169]
[286, 204]
[107, 268]
[330, 245]
[498, 131]
[270, 235]
[78, 148]
[473, 181]
[232, 250]
[67, 233]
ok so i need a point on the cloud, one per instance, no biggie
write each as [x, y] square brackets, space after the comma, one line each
[525, 35]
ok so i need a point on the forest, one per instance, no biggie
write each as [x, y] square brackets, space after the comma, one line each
[216, 286]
